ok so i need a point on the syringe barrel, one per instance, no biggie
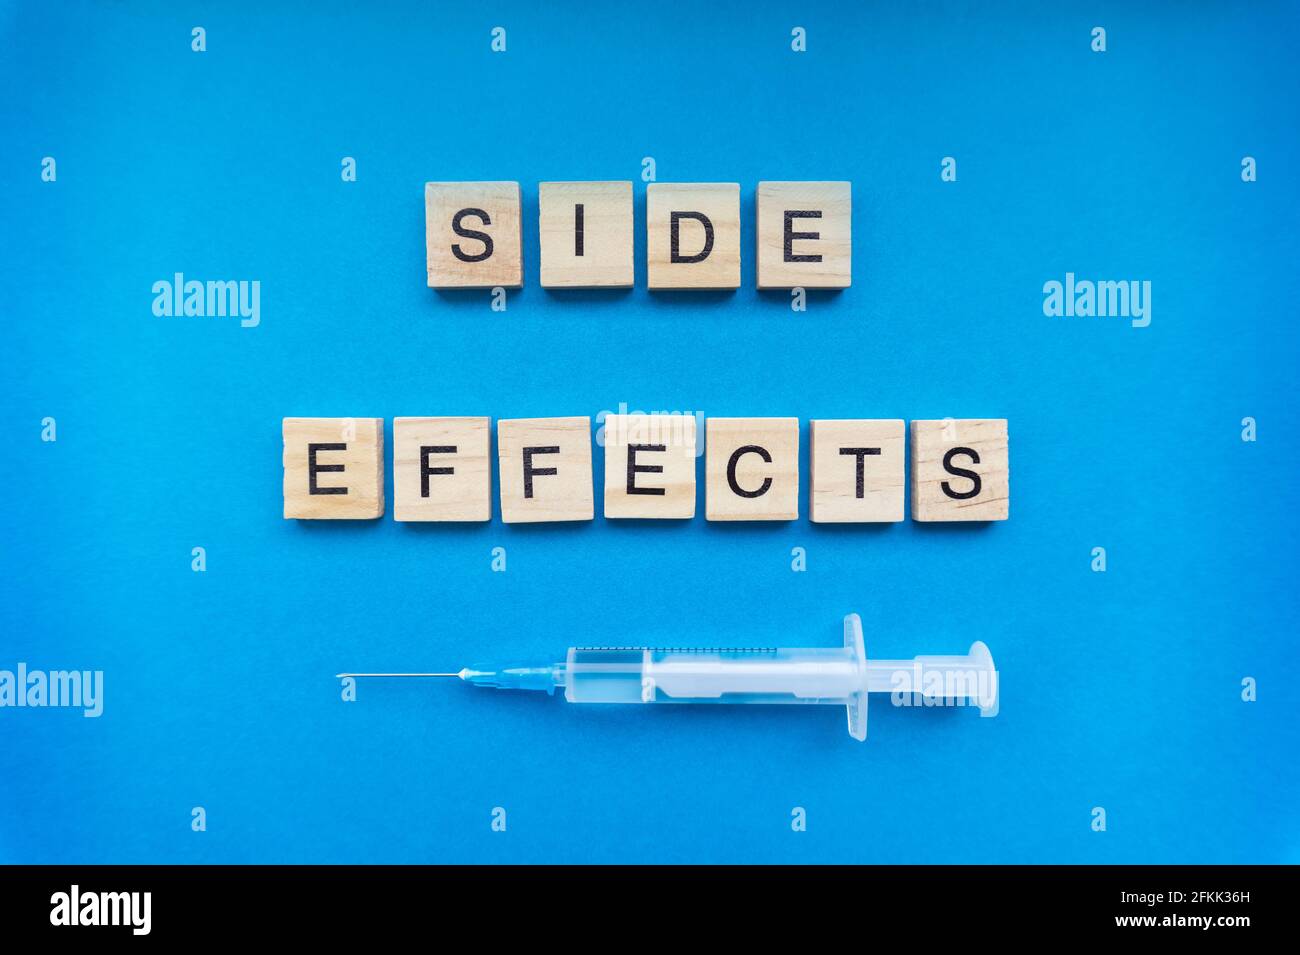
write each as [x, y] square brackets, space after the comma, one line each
[688, 675]
[842, 675]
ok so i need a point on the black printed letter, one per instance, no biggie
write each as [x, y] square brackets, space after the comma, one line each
[530, 471]
[731, 470]
[471, 234]
[425, 470]
[861, 455]
[313, 468]
[675, 252]
[633, 468]
[961, 472]
[791, 235]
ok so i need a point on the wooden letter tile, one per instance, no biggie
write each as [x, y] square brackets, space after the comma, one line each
[857, 471]
[650, 465]
[960, 470]
[752, 469]
[333, 468]
[693, 235]
[586, 234]
[441, 469]
[545, 469]
[472, 234]
[805, 234]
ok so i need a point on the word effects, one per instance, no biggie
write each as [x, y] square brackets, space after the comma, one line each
[442, 469]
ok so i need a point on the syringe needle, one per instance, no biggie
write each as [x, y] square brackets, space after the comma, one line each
[340, 676]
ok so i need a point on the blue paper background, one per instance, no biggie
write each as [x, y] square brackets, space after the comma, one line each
[1120, 690]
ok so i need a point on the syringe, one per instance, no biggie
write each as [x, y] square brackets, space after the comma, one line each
[839, 675]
